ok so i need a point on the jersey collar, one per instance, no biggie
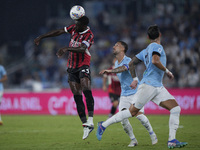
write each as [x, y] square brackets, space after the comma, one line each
[121, 60]
[88, 28]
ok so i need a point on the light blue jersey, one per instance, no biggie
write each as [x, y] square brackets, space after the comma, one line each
[152, 75]
[2, 73]
[125, 78]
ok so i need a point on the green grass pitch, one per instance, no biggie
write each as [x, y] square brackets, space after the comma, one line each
[45, 132]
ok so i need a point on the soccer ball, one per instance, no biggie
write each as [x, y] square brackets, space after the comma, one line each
[77, 12]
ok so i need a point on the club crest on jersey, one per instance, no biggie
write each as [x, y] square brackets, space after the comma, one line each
[75, 43]
[159, 50]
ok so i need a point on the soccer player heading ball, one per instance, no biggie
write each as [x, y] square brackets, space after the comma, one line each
[78, 66]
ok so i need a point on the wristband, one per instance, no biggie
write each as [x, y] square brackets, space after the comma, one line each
[136, 78]
[166, 71]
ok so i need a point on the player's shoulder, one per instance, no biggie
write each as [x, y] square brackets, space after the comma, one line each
[156, 45]
[72, 27]
[90, 31]
[126, 58]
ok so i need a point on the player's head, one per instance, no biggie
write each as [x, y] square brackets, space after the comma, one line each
[153, 32]
[81, 24]
[120, 46]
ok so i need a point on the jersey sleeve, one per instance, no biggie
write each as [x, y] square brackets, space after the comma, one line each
[89, 39]
[157, 50]
[126, 63]
[140, 55]
[69, 29]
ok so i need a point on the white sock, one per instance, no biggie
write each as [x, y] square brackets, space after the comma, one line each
[128, 128]
[90, 120]
[118, 117]
[174, 122]
[145, 122]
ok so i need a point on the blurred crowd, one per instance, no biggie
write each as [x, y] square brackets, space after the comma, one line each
[180, 27]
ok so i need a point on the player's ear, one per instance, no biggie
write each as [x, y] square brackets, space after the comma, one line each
[160, 34]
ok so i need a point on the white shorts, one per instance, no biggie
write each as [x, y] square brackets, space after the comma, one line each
[148, 93]
[126, 101]
[1, 94]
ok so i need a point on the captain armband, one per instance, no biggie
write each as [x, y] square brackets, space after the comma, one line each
[126, 66]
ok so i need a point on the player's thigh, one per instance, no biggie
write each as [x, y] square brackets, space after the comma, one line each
[169, 104]
[125, 102]
[73, 77]
[85, 78]
[165, 99]
[144, 94]
[74, 83]
[75, 88]
[85, 84]
[133, 101]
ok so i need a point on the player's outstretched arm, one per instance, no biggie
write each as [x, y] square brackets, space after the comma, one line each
[104, 71]
[115, 70]
[158, 64]
[49, 34]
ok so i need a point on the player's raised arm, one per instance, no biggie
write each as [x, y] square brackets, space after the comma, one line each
[49, 34]
[132, 66]
[158, 64]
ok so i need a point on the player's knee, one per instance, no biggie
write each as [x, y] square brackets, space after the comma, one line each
[115, 103]
[124, 122]
[139, 116]
[175, 110]
[133, 110]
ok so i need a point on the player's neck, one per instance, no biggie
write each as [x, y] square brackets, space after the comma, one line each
[156, 41]
[120, 57]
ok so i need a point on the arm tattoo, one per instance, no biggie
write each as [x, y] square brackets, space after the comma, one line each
[119, 69]
[132, 66]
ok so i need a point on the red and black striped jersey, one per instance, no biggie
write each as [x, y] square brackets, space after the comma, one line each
[75, 59]
[113, 83]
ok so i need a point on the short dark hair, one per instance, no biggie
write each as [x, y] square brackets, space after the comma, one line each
[84, 20]
[153, 32]
[125, 45]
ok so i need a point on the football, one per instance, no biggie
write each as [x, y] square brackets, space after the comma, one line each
[77, 12]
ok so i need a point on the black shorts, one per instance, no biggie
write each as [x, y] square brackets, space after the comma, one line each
[114, 97]
[76, 74]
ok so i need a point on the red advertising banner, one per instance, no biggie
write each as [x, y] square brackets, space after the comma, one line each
[55, 103]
